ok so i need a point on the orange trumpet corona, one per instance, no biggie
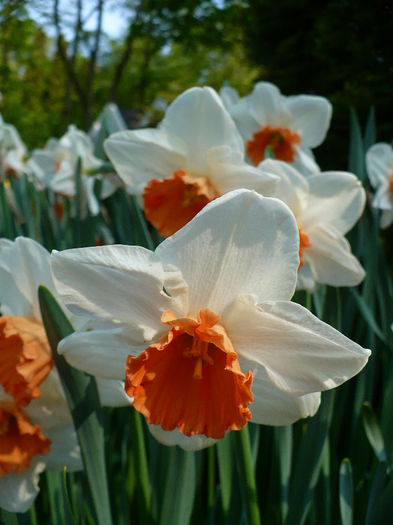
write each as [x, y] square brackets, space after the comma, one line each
[304, 242]
[25, 357]
[191, 379]
[20, 441]
[172, 202]
[282, 141]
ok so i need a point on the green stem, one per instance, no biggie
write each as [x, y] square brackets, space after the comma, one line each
[141, 461]
[248, 476]
[211, 468]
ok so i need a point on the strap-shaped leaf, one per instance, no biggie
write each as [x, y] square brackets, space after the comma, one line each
[82, 396]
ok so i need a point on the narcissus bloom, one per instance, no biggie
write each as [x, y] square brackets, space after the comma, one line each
[326, 207]
[379, 161]
[222, 343]
[289, 126]
[36, 428]
[55, 167]
[194, 156]
[12, 151]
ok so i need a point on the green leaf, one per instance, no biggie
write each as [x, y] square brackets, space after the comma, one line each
[368, 315]
[8, 518]
[284, 437]
[373, 432]
[180, 488]
[356, 154]
[305, 470]
[370, 134]
[225, 471]
[82, 396]
[346, 492]
[247, 474]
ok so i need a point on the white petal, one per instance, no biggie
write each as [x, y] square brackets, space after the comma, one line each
[50, 410]
[228, 171]
[300, 353]
[18, 491]
[272, 406]
[117, 282]
[64, 449]
[268, 106]
[386, 218]
[199, 117]
[100, 352]
[27, 264]
[229, 96]
[174, 437]
[142, 155]
[244, 120]
[89, 196]
[305, 162]
[310, 118]
[292, 188]
[112, 393]
[306, 279]
[383, 197]
[330, 258]
[379, 162]
[64, 180]
[239, 243]
[336, 198]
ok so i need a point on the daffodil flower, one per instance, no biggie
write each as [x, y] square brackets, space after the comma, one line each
[12, 151]
[220, 343]
[379, 162]
[289, 126]
[326, 207]
[55, 167]
[194, 156]
[36, 428]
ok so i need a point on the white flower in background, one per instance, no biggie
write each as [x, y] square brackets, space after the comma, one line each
[326, 208]
[194, 156]
[379, 162]
[220, 343]
[36, 428]
[229, 96]
[12, 151]
[289, 126]
[55, 167]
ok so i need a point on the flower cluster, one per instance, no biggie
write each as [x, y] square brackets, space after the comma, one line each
[200, 335]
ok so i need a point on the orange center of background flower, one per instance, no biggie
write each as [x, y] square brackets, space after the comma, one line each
[172, 202]
[391, 183]
[304, 242]
[20, 441]
[25, 357]
[191, 379]
[282, 142]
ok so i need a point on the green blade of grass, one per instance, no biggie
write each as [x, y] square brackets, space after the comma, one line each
[346, 492]
[180, 488]
[373, 432]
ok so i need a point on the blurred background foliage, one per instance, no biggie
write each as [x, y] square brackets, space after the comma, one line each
[60, 64]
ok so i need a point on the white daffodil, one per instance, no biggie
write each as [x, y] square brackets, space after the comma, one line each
[12, 151]
[289, 126]
[229, 96]
[55, 167]
[36, 428]
[194, 156]
[379, 162]
[326, 207]
[222, 343]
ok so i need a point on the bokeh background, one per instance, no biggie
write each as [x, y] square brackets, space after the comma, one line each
[61, 61]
